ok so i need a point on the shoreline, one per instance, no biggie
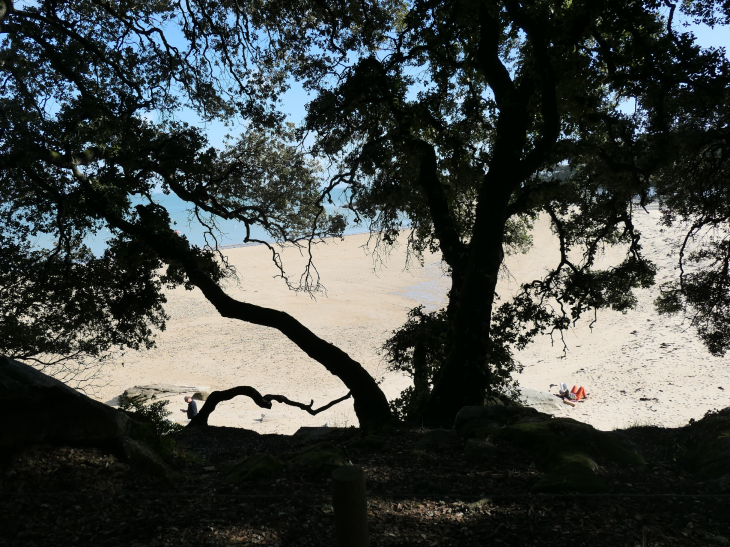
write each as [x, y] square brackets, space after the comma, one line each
[273, 242]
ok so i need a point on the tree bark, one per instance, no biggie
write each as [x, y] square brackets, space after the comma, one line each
[464, 378]
[216, 397]
[420, 367]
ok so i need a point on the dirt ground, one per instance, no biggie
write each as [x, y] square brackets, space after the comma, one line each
[431, 496]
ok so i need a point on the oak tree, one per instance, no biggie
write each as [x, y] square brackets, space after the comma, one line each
[470, 119]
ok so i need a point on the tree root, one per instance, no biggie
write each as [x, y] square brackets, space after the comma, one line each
[264, 401]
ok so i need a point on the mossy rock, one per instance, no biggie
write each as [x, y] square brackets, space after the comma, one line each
[708, 445]
[369, 443]
[318, 458]
[722, 484]
[476, 449]
[565, 435]
[568, 448]
[471, 418]
[437, 437]
[571, 472]
[481, 432]
[714, 456]
[258, 466]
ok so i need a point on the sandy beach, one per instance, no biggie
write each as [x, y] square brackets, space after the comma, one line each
[639, 368]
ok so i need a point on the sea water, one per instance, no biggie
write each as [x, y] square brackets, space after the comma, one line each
[228, 233]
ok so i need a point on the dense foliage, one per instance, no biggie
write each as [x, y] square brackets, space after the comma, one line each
[154, 427]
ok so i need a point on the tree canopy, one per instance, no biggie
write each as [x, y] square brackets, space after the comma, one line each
[468, 119]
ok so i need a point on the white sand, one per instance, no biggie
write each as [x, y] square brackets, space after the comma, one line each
[624, 358]
[630, 356]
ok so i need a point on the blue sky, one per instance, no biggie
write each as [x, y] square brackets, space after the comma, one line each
[294, 102]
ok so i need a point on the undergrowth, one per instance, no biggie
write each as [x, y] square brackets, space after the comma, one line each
[155, 428]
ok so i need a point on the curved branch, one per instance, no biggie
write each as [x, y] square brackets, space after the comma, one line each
[201, 420]
[264, 401]
[308, 408]
[370, 402]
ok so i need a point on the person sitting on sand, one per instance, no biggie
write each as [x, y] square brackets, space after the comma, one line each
[192, 407]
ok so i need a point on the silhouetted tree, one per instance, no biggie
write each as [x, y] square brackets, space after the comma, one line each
[470, 119]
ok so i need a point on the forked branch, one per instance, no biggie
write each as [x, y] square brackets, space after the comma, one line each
[264, 401]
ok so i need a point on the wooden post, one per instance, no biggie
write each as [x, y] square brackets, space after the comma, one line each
[351, 508]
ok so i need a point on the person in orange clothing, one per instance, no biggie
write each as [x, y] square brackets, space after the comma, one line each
[579, 392]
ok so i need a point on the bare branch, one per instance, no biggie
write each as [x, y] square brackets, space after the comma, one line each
[264, 401]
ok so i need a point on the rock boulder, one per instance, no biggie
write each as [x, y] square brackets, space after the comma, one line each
[542, 401]
[162, 391]
[471, 419]
[201, 395]
[708, 445]
[40, 408]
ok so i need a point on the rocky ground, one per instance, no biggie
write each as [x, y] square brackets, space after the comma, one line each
[504, 478]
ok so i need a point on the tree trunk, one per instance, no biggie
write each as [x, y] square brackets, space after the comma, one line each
[464, 378]
[420, 367]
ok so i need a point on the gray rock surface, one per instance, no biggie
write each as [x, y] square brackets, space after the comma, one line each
[312, 431]
[201, 395]
[42, 409]
[471, 418]
[542, 401]
[160, 391]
